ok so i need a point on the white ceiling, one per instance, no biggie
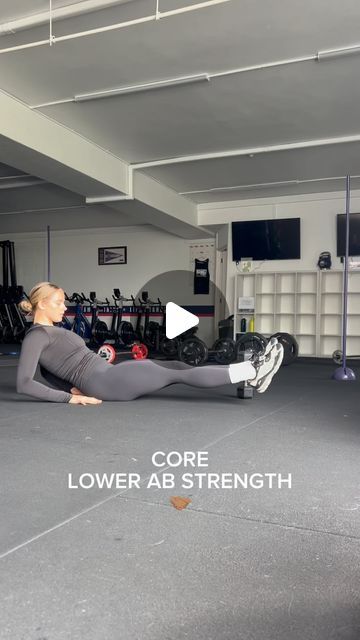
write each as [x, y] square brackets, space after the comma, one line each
[289, 104]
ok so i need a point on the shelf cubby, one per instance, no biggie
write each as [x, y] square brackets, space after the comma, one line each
[307, 282]
[265, 304]
[354, 282]
[353, 325]
[246, 285]
[331, 281]
[331, 303]
[285, 323]
[306, 303]
[354, 305]
[307, 345]
[329, 344]
[330, 325]
[264, 324]
[266, 282]
[285, 283]
[285, 303]
[353, 346]
[306, 324]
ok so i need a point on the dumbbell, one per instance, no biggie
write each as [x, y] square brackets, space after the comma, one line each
[244, 390]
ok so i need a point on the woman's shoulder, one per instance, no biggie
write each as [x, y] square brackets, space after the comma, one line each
[37, 327]
[37, 330]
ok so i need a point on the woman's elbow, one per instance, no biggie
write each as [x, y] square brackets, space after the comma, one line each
[22, 385]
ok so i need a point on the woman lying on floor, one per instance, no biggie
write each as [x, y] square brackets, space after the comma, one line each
[83, 377]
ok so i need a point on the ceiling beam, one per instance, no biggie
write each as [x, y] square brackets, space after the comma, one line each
[40, 146]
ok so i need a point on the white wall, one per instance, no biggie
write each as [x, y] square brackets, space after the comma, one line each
[74, 258]
[318, 227]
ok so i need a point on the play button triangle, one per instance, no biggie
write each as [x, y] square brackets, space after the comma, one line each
[178, 320]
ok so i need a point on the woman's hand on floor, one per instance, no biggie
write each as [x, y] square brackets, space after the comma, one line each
[76, 399]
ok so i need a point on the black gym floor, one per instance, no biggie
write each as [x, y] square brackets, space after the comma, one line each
[247, 564]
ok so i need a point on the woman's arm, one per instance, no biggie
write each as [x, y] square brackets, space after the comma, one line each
[33, 345]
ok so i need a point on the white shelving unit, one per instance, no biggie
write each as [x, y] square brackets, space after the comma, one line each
[307, 304]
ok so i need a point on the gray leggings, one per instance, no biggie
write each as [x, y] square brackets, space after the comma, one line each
[133, 378]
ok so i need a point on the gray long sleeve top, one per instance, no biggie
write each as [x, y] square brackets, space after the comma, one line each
[60, 352]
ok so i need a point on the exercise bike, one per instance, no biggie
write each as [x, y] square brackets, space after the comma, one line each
[99, 329]
[122, 329]
[153, 332]
[80, 325]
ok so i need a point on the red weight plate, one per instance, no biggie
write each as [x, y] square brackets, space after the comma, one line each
[139, 351]
[107, 352]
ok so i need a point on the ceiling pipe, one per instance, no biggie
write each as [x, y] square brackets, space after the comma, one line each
[330, 54]
[242, 187]
[138, 88]
[251, 151]
[263, 185]
[62, 13]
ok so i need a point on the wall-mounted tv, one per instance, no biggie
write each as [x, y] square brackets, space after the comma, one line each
[354, 235]
[266, 239]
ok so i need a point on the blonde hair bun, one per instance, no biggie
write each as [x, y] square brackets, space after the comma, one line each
[26, 306]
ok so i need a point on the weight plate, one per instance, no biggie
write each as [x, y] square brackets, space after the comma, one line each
[100, 332]
[139, 351]
[126, 332]
[251, 341]
[150, 334]
[291, 347]
[169, 347]
[107, 352]
[225, 349]
[193, 351]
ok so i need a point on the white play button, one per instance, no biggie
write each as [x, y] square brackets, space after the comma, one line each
[178, 320]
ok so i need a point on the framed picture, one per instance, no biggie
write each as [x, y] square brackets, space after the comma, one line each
[112, 255]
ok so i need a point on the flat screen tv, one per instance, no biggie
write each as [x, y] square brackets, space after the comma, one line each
[354, 235]
[266, 239]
